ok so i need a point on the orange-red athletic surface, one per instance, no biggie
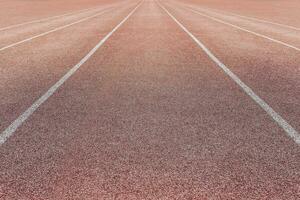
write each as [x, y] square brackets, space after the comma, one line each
[149, 115]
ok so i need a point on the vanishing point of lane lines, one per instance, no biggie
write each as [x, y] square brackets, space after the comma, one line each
[290, 131]
[10, 130]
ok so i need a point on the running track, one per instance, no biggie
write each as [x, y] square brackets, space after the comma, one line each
[165, 99]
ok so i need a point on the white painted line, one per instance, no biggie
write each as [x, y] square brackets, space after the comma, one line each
[290, 131]
[53, 30]
[44, 19]
[252, 18]
[10, 130]
[245, 30]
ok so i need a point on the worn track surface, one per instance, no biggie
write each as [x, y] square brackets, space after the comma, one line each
[149, 115]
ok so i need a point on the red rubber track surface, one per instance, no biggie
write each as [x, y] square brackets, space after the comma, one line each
[149, 115]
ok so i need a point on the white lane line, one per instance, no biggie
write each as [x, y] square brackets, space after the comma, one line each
[10, 130]
[45, 19]
[290, 131]
[245, 30]
[53, 30]
[252, 18]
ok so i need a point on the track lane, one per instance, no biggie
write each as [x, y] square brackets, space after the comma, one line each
[289, 130]
[16, 12]
[10, 130]
[43, 19]
[258, 20]
[12, 38]
[165, 123]
[271, 70]
[284, 12]
[29, 70]
[287, 38]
